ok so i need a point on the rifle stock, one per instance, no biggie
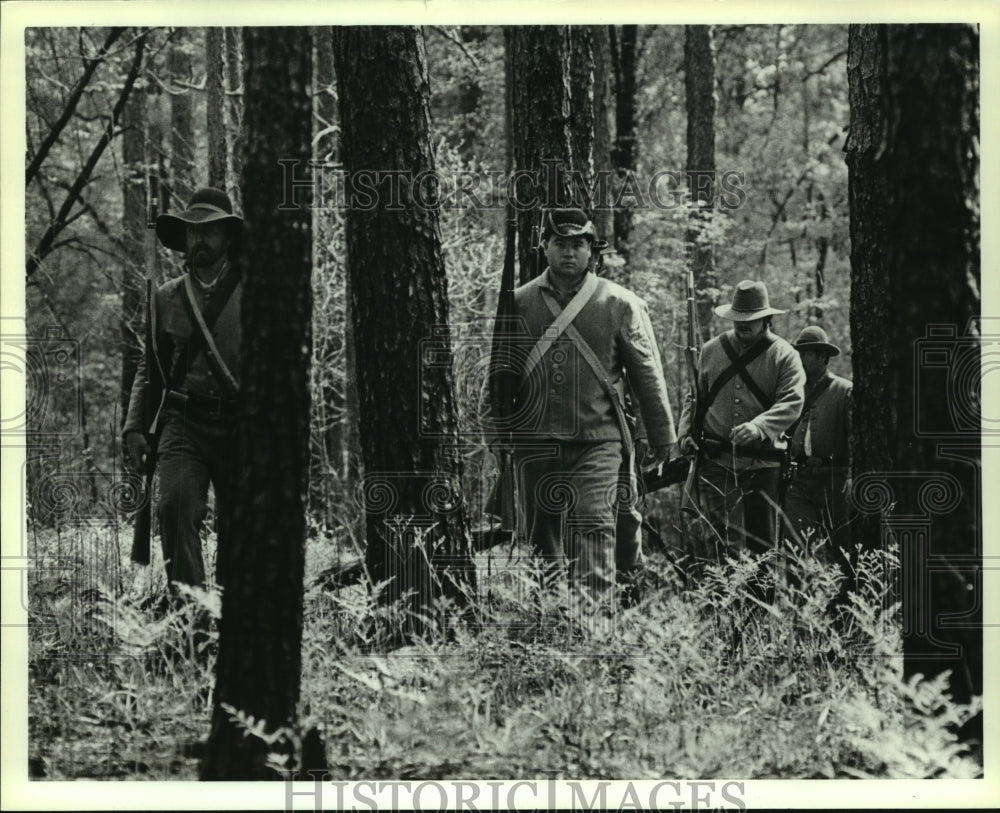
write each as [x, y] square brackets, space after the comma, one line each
[143, 518]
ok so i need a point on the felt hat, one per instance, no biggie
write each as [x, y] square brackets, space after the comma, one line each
[814, 337]
[749, 302]
[207, 205]
[567, 223]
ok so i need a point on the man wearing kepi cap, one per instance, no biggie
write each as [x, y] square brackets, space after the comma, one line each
[817, 501]
[749, 391]
[196, 335]
[589, 339]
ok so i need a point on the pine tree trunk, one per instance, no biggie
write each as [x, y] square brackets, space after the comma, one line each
[699, 85]
[399, 302]
[915, 272]
[581, 120]
[215, 106]
[181, 123]
[259, 663]
[626, 151]
[541, 125]
[603, 215]
[235, 129]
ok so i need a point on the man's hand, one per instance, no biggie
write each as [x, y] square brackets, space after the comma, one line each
[687, 446]
[745, 434]
[140, 454]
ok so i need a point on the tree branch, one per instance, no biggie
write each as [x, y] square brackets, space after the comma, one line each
[71, 102]
[57, 225]
[825, 65]
[457, 42]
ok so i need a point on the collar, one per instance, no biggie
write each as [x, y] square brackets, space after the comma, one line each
[826, 374]
[545, 282]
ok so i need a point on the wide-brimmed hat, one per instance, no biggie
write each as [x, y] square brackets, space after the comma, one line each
[207, 205]
[567, 223]
[814, 337]
[749, 302]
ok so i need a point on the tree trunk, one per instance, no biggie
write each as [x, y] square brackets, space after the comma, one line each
[541, 128]
[259, 664]
[581, 119]
[699, 86]
[215, 106]
[915, 272]
[416, 523]
[603, 214]
[134, 232]
[181, 124]
[625, 155]
[235, 129]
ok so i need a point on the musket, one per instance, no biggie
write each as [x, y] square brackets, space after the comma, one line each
[537, 252]
[504, 380]
[150, 384]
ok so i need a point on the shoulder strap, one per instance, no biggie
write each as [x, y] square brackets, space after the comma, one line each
[812, 398]
[600, 371]
[214, 356]
[740, 363]
[213, 308]
[563, 319]
[736, 367]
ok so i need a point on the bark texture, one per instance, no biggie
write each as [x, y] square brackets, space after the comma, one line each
[913, 157]
[259, 663]
[416, 523]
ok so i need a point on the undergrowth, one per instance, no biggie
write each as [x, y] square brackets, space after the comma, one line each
[693, 681]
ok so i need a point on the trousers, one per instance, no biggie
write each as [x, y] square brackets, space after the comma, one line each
[573, 494]
[739, 509]
[816, 506]
[194, 451]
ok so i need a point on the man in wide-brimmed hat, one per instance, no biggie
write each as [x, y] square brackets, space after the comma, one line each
[749, 391]
[196, 336]
[590, 339]
[816, 505]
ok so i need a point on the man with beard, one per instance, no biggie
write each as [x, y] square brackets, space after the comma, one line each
[196, 336]
[749, 392]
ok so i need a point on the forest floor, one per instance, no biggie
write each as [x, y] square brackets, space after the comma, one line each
[119, 691]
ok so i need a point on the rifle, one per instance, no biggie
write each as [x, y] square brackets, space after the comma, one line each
[150, 384]
[504, 380]
[691, 355]
[537, 252]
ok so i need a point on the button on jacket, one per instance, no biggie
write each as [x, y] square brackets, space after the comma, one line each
[562, 398]
[777, 371]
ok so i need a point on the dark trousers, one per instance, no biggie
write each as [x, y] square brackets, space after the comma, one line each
[739, 509]
[194, 451]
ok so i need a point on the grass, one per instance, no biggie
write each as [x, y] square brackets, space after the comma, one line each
[693, 682]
